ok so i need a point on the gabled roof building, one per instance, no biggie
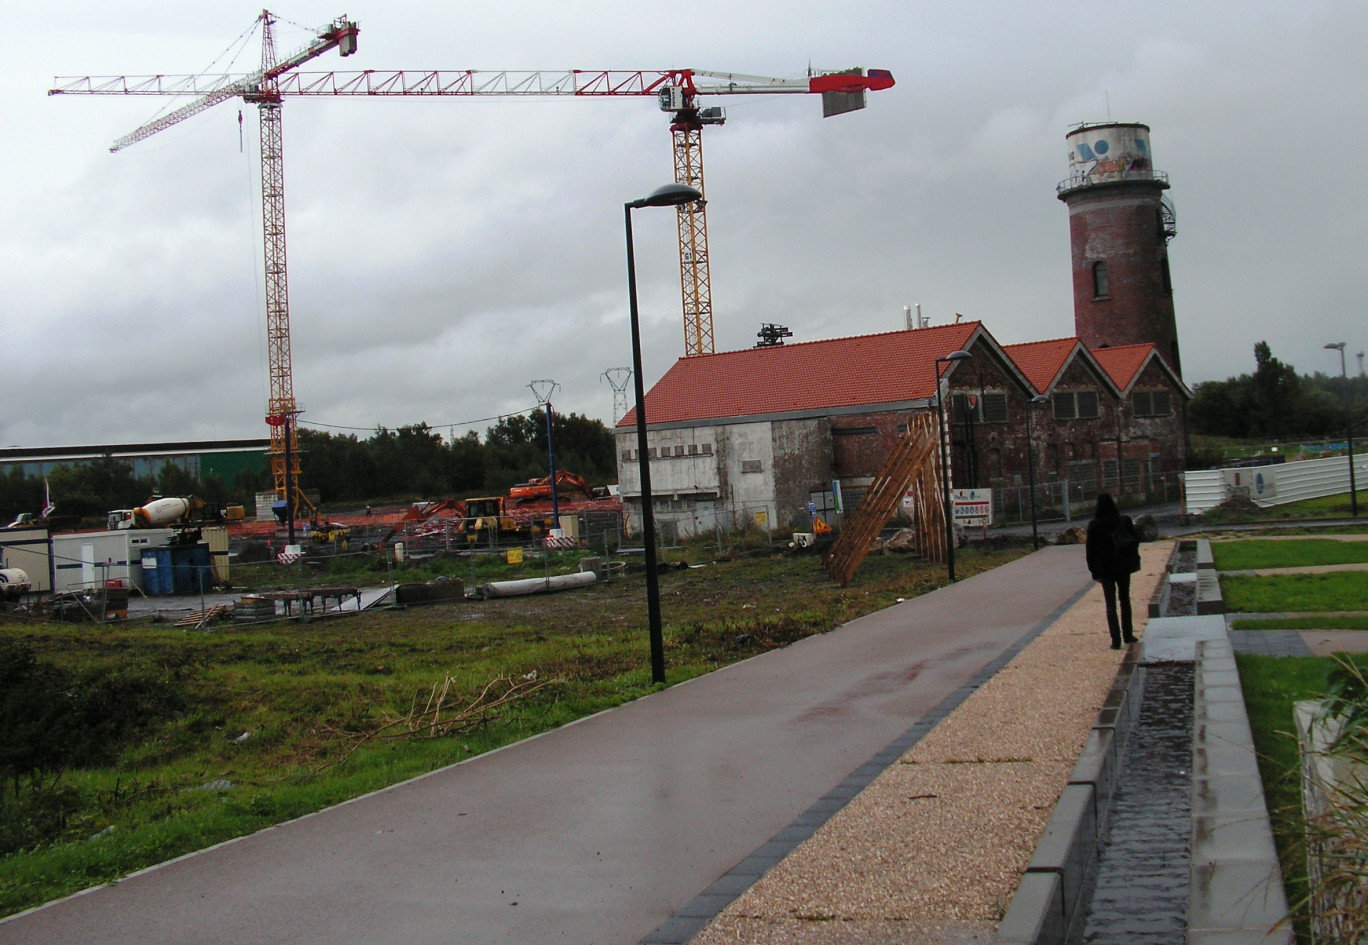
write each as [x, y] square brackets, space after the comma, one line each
[774, 435]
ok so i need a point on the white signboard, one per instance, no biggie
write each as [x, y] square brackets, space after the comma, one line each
[972, 506]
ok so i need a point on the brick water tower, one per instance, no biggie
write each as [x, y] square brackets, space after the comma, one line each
[1120, 223]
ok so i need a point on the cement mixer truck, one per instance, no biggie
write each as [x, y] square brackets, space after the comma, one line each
[159, 513]
[14, 584]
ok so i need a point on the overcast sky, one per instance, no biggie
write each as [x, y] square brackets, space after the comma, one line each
[443, 253]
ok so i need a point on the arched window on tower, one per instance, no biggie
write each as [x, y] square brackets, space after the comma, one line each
[1100, 287]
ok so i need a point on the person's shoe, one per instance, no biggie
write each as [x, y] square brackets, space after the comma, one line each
[1128, 639]
[1116, 644]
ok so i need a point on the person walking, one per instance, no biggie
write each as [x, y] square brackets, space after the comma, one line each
[1113, 556]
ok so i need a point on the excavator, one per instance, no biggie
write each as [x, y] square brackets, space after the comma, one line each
[568, 485]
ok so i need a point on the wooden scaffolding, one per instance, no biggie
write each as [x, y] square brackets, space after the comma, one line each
[910, 470]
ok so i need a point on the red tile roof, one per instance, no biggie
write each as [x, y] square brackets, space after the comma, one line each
[1042, 361]
[866, 370]
[1122, 363]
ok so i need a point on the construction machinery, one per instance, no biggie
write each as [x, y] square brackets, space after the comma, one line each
[487, 522]
[568, 486]
[159, 513]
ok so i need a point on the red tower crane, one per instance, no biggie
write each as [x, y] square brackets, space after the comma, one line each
[676, 90]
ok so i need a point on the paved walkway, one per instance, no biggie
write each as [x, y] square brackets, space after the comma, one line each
[600, 831]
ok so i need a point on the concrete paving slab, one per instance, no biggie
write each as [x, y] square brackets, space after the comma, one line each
[1175, 639]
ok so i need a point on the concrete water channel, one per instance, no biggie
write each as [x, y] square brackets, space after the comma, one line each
[1162, 835]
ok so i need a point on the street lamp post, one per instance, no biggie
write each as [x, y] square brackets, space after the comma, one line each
[945, 463]
[1030, 466]
[671, 195]
[1348, 428]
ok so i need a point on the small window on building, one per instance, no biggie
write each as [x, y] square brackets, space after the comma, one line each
[651, 452]
[1064, 407]
[1100, 287]
[693, 449]
[987, 407]
[707, 449]
[752, 466]
[959, 408]
[1075, 405]
[994, 407]
[626, 456]
[1164, 277]
[1087, 404]
[1151, 403]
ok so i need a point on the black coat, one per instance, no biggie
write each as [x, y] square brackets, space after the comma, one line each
[1103, 560]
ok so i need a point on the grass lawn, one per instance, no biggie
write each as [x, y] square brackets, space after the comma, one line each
[268, 722]
[1302, 623]
[1271, 686]
[1295, 593]
[1252, 554]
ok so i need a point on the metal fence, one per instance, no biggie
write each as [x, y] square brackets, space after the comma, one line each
[1074, 500]
[1273, 485]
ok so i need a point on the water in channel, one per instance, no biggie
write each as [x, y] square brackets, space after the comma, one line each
[1141, 890]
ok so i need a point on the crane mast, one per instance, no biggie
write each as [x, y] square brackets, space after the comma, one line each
[281, 410]
[695, 281]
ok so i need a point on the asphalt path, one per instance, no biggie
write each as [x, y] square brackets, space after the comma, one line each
[596, 832]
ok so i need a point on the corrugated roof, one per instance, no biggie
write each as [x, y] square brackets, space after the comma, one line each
[886, 368]
[1042, 361]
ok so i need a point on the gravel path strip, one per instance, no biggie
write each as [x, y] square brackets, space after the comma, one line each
[932, 851]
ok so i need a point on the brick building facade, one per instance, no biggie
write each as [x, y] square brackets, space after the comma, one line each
[754, 436]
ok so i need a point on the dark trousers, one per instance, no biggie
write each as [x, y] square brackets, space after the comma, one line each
[1111, 589]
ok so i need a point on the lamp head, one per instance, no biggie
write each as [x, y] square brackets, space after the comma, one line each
[1335, 346]
[671, 195]
[1039, 399]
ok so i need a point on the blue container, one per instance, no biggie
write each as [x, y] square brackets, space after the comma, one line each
[156, 568]
[190, 568]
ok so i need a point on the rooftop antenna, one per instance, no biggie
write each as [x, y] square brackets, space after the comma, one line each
[1107, 95]
[617, 378]
[1360, 357]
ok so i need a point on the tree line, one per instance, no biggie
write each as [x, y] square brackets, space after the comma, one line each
[410, 462]
[1275, 401]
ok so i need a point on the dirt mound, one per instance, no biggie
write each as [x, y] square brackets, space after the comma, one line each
[1240, 505]
[1073, 535]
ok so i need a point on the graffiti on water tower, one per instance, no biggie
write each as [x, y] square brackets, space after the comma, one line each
[1113, 152]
